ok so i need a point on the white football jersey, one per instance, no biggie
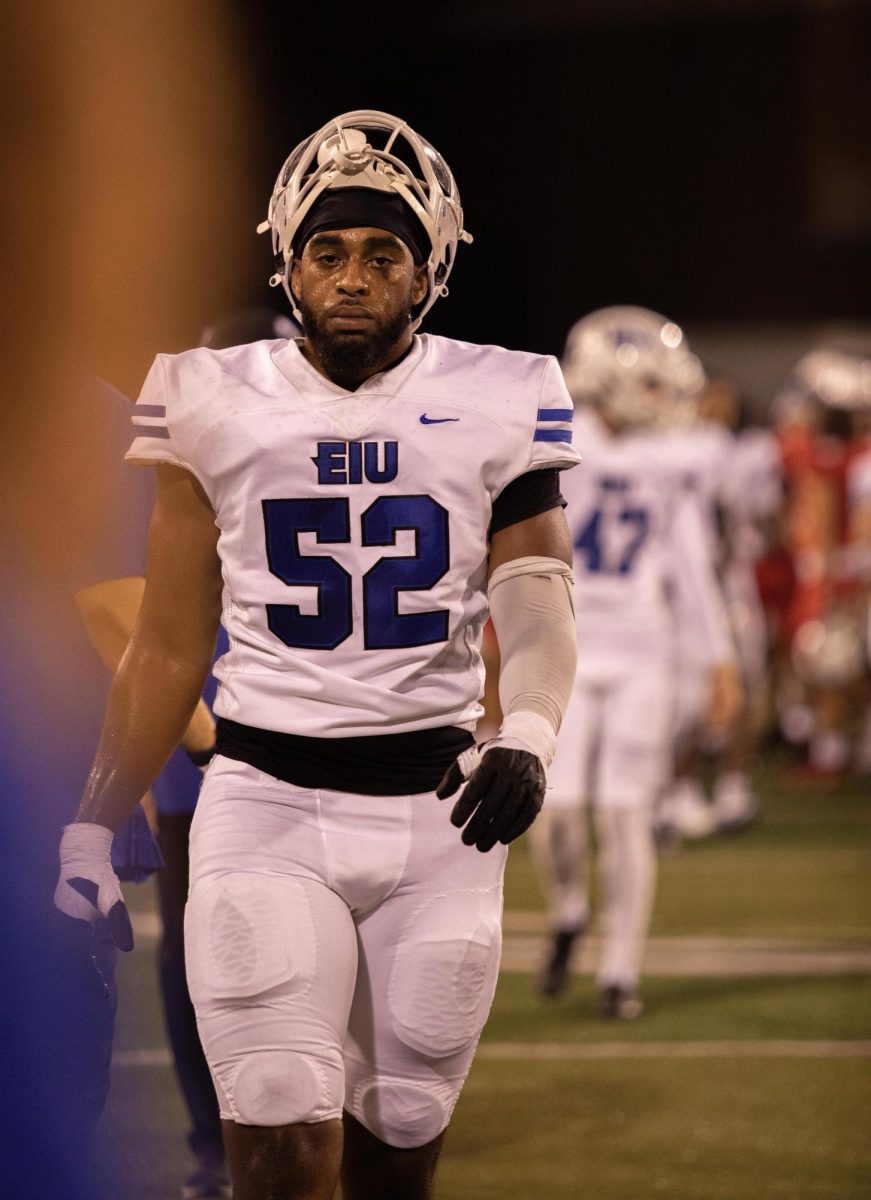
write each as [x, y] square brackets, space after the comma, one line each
[640, 550]
[751, 490]
[354, 525]
[859, 480]
[702, 452]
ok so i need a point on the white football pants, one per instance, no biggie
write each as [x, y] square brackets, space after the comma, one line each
[342, 952]
[613, 754]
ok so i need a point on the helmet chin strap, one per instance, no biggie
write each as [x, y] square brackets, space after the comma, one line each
[284, 280]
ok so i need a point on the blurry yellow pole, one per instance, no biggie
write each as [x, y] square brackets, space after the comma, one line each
[122, 213]
[125, 213]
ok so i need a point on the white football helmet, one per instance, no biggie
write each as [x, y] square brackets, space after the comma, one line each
[829, 651]
[373, 150]
[634, 365]
[839, 379]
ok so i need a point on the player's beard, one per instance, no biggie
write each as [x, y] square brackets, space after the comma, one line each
[348, 360]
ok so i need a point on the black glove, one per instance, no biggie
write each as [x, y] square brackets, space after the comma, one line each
[505, 793]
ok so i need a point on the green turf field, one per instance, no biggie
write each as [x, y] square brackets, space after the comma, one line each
[745, 1087]
[762, 1008]
[803, 870]
[626, 1130]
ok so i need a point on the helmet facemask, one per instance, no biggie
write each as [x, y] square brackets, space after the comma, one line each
[373, 150]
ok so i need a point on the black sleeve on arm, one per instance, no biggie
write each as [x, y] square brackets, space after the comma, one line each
[529, 495]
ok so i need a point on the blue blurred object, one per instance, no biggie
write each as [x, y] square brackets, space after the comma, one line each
[58, 1001]
[135, 852]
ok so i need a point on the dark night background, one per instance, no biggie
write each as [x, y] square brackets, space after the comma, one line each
[709, 160]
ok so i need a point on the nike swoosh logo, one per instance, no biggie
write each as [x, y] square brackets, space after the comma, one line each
[425, 420]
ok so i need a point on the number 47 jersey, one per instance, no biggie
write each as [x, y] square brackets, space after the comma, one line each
[642, 557]
[353, 525]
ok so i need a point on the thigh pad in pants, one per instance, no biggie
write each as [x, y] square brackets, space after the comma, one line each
[271, 961]
[407, 1060]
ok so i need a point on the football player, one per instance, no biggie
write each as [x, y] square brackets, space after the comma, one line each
[701, 450]
[752, 498]
[858, 560]
[642, 561]
[823, 416]
[351, 504]
[735, 468]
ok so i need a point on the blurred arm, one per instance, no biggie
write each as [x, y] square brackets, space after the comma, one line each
[162, 671]
[109, 610]
[701, 609]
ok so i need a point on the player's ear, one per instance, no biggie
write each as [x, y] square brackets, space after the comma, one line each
[419, 286]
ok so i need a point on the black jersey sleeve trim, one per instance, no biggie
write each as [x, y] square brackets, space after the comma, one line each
[529, 495]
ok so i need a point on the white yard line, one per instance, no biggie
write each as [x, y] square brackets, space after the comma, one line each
[522, 921]
[550, 1051]
[526, 945]
[730, 1049]
[708, 956]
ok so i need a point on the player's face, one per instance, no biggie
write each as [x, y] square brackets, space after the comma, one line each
[356, 290]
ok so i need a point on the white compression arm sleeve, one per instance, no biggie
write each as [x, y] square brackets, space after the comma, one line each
[533, 615]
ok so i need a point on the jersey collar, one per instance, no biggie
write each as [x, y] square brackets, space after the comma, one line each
[293, 364]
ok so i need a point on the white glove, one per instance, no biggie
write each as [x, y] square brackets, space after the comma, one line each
[88, 887]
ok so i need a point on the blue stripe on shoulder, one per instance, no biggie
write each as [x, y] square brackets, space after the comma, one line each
[552, 435]
[555, 414]
[151, 431]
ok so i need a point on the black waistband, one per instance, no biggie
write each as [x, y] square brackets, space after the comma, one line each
[393, 764]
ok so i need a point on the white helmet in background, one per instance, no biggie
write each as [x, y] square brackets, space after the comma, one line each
[839, 379]
[634, 365]
[368, 149]
[824, 390]
[829, 651]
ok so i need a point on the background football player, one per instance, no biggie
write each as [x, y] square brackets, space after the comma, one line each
[700, 448]
[823, 418]
[751, 498]
[734, 468]
[858, 558]
[642, 562]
